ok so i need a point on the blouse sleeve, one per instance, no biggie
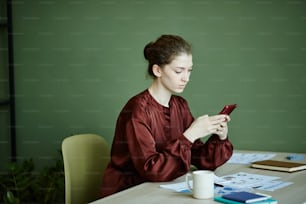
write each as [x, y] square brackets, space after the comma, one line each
[211, 154]
[166, 164]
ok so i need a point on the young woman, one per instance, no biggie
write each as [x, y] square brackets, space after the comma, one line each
[156, 137]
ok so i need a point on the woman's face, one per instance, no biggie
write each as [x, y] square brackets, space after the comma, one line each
[175, 76]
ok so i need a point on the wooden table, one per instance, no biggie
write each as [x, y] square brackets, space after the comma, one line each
[148, 193]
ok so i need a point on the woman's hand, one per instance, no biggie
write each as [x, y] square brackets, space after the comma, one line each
[222, 130]
[206, 125]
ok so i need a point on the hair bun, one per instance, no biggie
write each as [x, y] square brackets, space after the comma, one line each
[147, 51]
[164, 50]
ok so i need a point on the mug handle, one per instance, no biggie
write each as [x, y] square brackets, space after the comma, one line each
[188, 175]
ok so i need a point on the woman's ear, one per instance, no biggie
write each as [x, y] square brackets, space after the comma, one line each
[156, 70]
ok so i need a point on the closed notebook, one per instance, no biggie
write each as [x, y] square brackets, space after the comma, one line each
[223, 200]
[279, 165]
[245, 197]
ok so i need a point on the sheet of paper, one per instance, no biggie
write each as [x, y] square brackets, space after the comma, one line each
[274, 185]
[245, 180]
[247, 158]
[182, 186]
[236, 182]
[177, 187]
[219, 190]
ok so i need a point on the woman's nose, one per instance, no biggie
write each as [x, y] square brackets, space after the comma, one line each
[186, 77]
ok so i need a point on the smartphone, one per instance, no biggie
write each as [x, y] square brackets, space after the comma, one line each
[227, 109]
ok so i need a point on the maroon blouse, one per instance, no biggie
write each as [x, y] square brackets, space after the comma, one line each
[149, 145]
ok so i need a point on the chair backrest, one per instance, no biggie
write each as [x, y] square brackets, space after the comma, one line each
[85, 159]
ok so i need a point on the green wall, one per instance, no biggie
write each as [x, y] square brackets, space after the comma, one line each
[4, 90]
[78, 62]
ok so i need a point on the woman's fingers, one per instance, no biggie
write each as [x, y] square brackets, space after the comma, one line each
[217, 119]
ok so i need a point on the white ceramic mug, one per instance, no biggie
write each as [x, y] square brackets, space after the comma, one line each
[203, 184]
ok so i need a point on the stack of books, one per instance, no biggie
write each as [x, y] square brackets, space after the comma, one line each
[245, 197]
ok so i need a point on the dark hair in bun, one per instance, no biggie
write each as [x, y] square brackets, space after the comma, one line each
[164, 50]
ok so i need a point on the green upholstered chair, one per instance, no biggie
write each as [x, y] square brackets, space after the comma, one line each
[85, 159]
